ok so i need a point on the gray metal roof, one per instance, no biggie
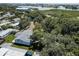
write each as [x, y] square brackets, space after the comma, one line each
[11, 51]
[25, 35]
[5, 32]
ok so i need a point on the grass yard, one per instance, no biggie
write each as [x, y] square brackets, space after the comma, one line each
[9, 38]
[23, 47]
[20, 46]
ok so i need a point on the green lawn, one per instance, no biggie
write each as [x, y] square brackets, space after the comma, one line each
[19, 46]
[9, 38]
[22, 47]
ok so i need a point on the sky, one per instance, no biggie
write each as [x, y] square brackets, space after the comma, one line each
[40, 1]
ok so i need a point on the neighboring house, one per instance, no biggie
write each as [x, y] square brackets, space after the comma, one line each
[14, 20]
[61, 7]
[8, 14]
[15, 24]
[11, 51]
[48, 16]
[3, 51]
[4, 23]
[23, 37]
[4, 33]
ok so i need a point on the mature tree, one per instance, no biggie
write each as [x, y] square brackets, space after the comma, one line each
[49, 24]
[57, 35]
[54, 49]
[36, 16]
[23, 23]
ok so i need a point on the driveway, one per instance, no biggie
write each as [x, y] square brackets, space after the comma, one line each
[6, 45]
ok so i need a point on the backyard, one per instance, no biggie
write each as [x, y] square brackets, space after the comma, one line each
[9, 38]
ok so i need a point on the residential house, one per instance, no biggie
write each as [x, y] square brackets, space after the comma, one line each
[4, 33]
[12, 51]
[23, 38]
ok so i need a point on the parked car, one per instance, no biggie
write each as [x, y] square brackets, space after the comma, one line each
[28, 53]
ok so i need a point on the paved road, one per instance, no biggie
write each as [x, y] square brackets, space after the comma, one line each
[6, 45]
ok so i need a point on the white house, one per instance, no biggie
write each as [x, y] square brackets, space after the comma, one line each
[3, 51]
[11, 51]
[4, 33]
[16, 19]
[4, 23]
[61, 7]
[8, 14]
[15, 24]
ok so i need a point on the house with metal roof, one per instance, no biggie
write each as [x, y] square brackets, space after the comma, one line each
[3, 51]
[12, 51]
[23, 37]
[15, 22]
[4, 23]
[6, 32]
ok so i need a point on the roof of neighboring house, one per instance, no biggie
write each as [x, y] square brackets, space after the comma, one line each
[11, 51]
[16, 19]
[3, 51]
[24, 36]
[8, 14]
[5, 23]
[15, 24]
[5, 32]
[61, 7]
